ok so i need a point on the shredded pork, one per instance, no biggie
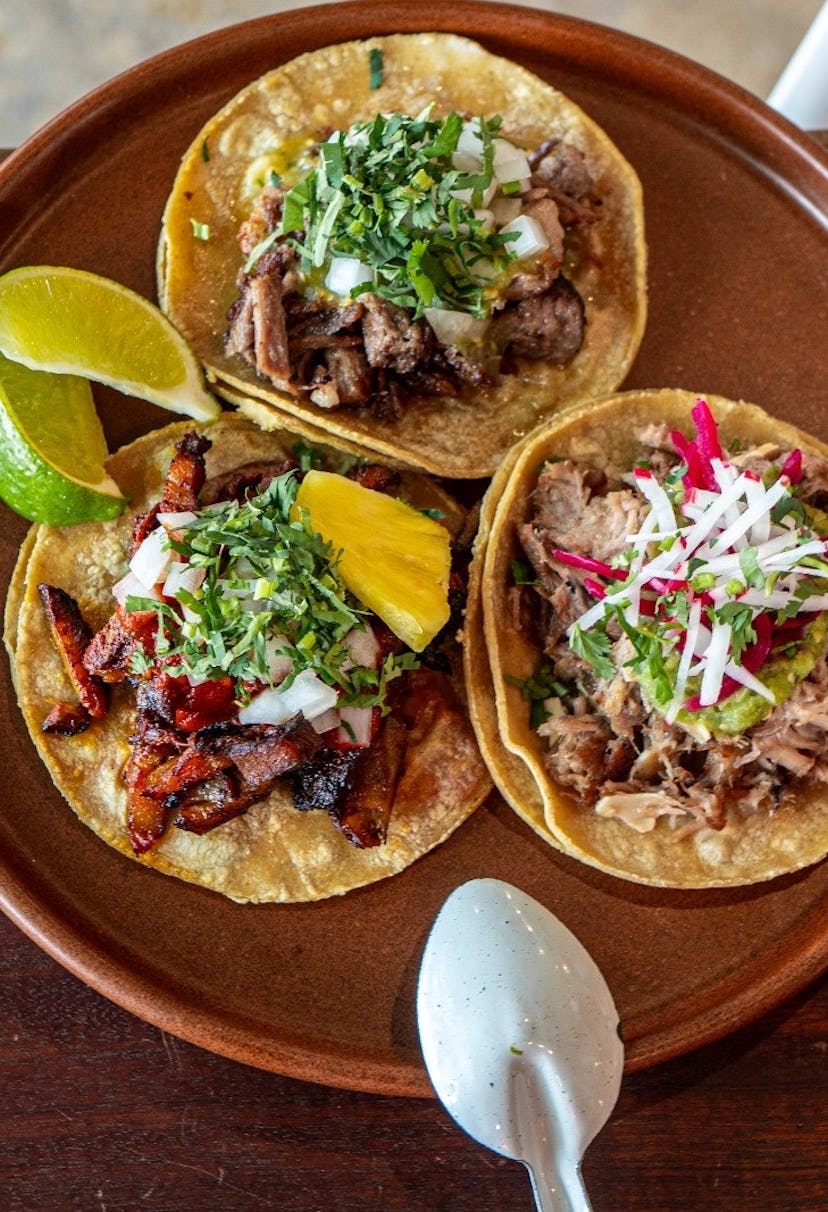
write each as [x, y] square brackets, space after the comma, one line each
[610, 748]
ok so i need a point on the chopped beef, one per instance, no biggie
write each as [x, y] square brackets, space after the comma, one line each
[392, 339]
[563, 166]
[371, 353]
[548, 326]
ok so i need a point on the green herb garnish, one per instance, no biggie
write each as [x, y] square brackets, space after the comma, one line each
[270, 588]
[385, 193]
[376, 68]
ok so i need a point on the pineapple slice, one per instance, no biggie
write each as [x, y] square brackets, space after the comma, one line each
[395, 559]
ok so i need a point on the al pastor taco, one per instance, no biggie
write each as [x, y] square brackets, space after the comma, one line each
[224, 691]
[422, 246]
[647, 639]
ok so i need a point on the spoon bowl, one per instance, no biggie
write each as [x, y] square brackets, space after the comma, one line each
[519, 1034]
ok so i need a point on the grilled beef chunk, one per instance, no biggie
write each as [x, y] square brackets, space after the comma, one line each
[370, 352]
[71, 635]
[548, 326]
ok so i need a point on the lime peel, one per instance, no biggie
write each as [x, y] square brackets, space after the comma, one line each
[72, 322]
[46, 422]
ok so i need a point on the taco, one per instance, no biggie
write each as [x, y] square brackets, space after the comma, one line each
[422, 246]
[646, 639]
[209, 693]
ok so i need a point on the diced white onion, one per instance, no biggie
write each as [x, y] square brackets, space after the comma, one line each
[509, 162]
[326, 721]
[152, 560]
[279, 664]
[531, 238]
[505, 209]
[356, 727]
[364, 648]
[486, 217]
[468, 154]
[344, 273]
[182, 576]
[456, 328]
[307, 694]
[175, 521]
[130, 587]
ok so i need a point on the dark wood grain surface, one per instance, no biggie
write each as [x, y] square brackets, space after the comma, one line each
[101, 1111]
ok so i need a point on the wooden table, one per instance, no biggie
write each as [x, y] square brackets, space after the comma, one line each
[100, 1111]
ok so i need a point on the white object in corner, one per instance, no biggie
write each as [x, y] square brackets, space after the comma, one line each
[801, 92]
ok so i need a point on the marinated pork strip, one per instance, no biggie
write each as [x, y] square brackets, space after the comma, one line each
[71, 635]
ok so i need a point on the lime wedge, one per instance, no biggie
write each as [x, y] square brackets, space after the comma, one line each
[52, 449]
[72, 322]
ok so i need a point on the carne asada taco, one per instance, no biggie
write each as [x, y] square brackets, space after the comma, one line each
[221, 689]
[422, 246]
[647, 639]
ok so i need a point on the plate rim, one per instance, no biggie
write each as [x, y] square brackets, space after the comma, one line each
[715, 100]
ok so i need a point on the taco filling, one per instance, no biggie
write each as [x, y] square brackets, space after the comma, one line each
[416, 257]
[420, 246]
[684, 629]
[254, 665]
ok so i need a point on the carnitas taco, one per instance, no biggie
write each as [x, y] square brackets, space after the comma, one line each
[422, 246]
[226, 691]
[647, 636]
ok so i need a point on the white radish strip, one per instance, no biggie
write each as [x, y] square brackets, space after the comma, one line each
[760, 531]
[745, 678]
[752, 514]
[691, 641]
[714, 665]
[660, 502]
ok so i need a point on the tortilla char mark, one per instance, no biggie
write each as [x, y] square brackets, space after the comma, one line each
[369, 352]
[193, 765]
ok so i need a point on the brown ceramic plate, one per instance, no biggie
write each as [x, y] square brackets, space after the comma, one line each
[737, 206]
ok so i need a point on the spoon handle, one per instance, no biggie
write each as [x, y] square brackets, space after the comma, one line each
[555, 1191]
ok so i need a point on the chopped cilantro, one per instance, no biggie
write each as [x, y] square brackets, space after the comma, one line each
[376, 68]
[201, 231]
[385, 193]
[594, 646]
[270, 588]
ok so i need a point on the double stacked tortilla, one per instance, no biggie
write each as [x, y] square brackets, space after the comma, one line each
[271, 133]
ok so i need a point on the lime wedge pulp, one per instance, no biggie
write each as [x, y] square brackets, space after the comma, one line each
[52, 449]
[72, 322]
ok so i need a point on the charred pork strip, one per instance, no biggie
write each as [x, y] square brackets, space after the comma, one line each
[67, 719]
[212, 803]
[146, 817]
[321, 782]
[244, 482]
[108, 652]
[186, 475]
[364, 812]
[71, 635]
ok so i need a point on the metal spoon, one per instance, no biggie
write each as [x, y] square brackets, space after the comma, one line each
[519, 1034]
